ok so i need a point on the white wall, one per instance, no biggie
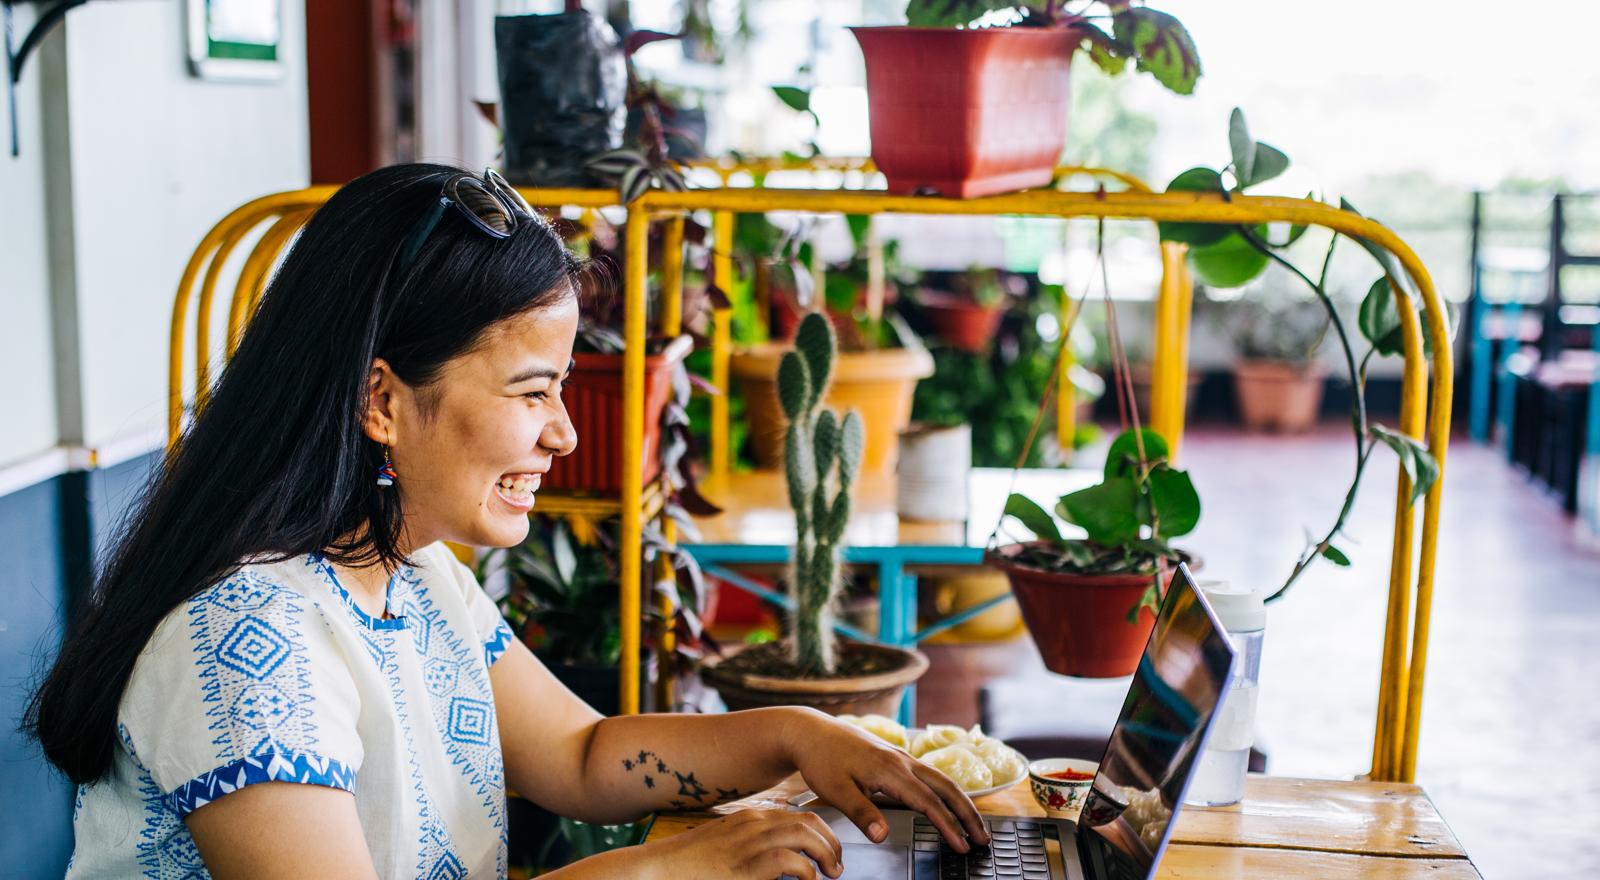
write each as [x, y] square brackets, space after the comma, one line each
[157, 157]
[26, 377]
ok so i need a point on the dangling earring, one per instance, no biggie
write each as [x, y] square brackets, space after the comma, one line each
[386, 470]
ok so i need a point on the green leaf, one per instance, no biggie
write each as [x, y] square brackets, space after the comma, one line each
[1177, 504]
[1033, 517]
[1270, 162]
[1106, 53]
[1161, 46]
[1419, 464]
[1108, 511]
[1336, 556]
[1391, 264]
[1151, 599]
[797, 99]
[1195, 180]
[635, 181]
[1379, 320]
[1243, 147]
[1122, 459]
[561, 549]
[1231, 262]
[950, 13]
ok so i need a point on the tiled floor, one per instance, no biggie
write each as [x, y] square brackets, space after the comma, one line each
[1510, 747]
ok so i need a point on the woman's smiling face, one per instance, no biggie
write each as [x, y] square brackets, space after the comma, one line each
[469, 449]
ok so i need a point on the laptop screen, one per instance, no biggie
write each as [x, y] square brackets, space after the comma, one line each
[1128, 815]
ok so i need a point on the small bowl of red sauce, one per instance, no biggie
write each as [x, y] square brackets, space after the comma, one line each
[1061, 784]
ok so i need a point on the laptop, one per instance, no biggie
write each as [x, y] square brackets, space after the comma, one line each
[1128, 815]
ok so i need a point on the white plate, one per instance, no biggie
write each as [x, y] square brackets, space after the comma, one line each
[911, 734]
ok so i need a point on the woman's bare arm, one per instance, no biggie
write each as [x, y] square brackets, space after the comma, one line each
[242, 835]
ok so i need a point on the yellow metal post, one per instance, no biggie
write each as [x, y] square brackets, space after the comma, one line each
[247, 293]
[672, 276]
[631, 543]
[666, 606]
[721, 341]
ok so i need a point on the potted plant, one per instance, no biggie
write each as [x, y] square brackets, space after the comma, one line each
[823, 457]
[877, 365]
[1090, 601]
[563, 84]
[969, 111]
[1277, 379]
[968, 313]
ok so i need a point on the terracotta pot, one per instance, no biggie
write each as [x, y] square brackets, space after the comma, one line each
[967, 112]
[960, 321]
[874, 694]
[1143, 385]
[593, 397]
[877, 384]
[1278, 396]
[1080, 622]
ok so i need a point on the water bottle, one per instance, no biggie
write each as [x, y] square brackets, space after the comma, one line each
[1219, 776]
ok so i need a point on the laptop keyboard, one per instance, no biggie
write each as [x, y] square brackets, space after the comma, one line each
[1015, 852]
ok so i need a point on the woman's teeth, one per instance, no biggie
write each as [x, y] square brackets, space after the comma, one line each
[519, 487]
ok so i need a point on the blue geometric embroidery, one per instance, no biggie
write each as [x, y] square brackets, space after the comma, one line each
[271, 767]
[470, 720]
[447, 868]
[255, 679]
[165, 849]
[441, 675]
[263, 707]
[463, 713]
[253, 648]
[497, 644]
[316, 561]
[246, 590]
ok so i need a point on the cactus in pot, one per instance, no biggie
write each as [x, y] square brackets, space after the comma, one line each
[822, 455]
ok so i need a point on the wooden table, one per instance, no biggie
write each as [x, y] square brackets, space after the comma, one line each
[1284, 828]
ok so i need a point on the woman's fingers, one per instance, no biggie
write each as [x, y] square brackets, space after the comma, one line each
[909, 789]
[849, 799]
[956, 800]
[820, 843]
[786, 863]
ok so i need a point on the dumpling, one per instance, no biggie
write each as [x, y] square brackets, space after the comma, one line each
[1003, 761]
[886, 729]
[962, 765]
[937, 736]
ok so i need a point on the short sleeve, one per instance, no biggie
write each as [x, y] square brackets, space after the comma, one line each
[244, 683]
[491, 628]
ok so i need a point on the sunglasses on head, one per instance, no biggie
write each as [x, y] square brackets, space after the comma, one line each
[489, 203]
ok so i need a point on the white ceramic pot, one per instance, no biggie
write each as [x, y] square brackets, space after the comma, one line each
[932, 473]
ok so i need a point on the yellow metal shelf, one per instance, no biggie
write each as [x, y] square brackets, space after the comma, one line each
[1425, 407]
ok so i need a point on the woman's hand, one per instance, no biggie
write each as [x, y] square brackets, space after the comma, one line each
[845, 766]
[747, 845]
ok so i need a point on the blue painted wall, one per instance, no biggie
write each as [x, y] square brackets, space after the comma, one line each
[49, 534]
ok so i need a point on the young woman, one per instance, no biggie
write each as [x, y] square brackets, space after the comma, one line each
[282, 672]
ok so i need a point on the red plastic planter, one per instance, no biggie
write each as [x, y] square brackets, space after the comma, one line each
[1080, 622]
[594, 402]
[960, 321]
[967, 112]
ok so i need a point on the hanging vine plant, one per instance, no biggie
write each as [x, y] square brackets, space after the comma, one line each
[1233, 256]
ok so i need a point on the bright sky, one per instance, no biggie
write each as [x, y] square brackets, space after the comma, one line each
[1472, 91]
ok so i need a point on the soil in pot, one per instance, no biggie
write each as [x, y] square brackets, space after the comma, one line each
[1079, 621]
[1278, 396]
[869, 679]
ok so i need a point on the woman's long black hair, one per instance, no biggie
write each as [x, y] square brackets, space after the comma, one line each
[276, 464]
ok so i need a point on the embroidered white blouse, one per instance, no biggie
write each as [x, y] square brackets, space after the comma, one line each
[275, 674]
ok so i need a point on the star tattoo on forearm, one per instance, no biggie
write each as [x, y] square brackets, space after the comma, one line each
[691, 792]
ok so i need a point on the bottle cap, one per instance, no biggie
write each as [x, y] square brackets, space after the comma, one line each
[1239, 609]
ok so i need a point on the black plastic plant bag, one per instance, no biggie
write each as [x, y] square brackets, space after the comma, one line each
[563, 88]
